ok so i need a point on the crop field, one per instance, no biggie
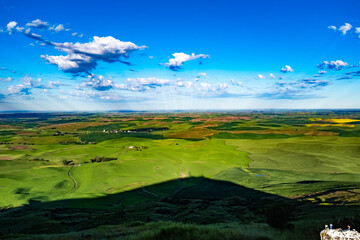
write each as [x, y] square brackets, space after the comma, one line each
[188, 168]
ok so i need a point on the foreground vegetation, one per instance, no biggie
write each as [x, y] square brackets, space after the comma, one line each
[253, 175]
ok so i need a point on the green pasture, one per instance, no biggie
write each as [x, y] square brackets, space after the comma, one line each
[160, 161]
[285, 165]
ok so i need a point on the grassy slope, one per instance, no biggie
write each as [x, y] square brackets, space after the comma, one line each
[161, 161]
[278, 166]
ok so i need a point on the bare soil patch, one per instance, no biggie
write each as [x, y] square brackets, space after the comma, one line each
[20, 147]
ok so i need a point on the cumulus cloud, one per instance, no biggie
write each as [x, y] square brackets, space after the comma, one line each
[11, 26]
[186, 84]
[26, 86]
[208, 88]
[344, 28]
[33, 35]
[336, 65]
[91, 94]
[58, 28]
[72, 63]
[179, 58]
[332, 27]
[55, 84]
[144, 84]
[98, 82]
[83, 57]
[202, 74]
[75, 34]
[18, 89]
[38, 24]
[357, 30]
[286, 69]
[260, 76]
[237, 83]
[302, 84]
[296, 89]
[272, 75]
[8, 79]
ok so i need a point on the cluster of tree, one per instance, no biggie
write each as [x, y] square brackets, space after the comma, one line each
[9, 143]
[102, 159]
[148, 129]
[67, 142]
[67, 162]
[59, 134]
[39, 159]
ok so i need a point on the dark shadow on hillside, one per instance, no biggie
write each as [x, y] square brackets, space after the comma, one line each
[189, 200]
[194, 200]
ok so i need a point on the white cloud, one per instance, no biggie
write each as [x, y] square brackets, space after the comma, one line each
[296, 89]
[179, 58]
[83, 57]
[28, 84]
[10, 26]
[336, 65]
[322, 72]
[208, 88]
[19, 29]
[286, 69]
[144, 84]
[59, 28]
[237, 83]
[344, 28]
[71, 63]
[98, 82]
[260, 76]
[90, 94]
[55, 84]
[272, 75]
[37, 24]
[8, 79]
[17, 89]
[357, 30]
[332, 27]
[187, 84]
[202, 74]
[75, 34]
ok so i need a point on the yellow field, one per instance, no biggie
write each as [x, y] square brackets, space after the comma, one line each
[335, 120]
[343, 120]
[329, 125]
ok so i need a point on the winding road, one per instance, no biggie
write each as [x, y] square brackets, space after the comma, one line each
[73, 179]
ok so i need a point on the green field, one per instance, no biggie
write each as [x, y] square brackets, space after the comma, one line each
[187, 168]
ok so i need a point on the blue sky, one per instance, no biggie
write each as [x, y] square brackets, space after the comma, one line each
[167, 55]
